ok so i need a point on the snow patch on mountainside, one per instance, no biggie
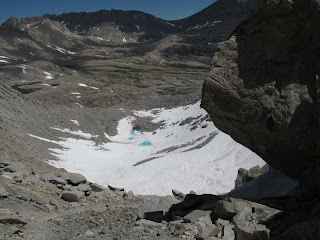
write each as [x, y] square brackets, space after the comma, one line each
[61, 50]
[186, 153]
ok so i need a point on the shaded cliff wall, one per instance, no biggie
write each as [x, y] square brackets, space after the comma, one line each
[263, 88]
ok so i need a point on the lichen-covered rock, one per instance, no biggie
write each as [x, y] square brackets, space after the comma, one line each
[263, 87]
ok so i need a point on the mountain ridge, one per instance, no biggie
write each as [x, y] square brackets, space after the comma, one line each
[153, 28]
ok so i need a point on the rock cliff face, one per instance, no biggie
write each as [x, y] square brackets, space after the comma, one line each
[263, 87]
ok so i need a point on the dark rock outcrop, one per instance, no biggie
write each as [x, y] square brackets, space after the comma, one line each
[263, 87]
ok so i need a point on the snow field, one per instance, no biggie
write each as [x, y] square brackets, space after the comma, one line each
[175, 156]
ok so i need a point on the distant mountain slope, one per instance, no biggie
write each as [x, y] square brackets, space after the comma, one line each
[125, 33]
[148, 26]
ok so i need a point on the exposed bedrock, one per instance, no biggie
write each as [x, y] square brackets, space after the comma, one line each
[263, 87]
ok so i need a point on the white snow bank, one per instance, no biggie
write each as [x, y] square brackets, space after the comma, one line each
[207, 24]
[23, 67]
[171, 24]
[82, 85]
[62, 50]
[3, 61]
[77, 133]
[4, 57]
[173, 157]
[86, 86]
[49, 75]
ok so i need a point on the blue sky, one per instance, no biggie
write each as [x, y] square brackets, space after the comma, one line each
[166, 9]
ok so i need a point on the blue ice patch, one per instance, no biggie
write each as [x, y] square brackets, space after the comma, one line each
[135, 134]
[145, 143]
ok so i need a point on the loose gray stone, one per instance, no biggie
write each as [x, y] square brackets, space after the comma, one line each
[222, 222]
[24, 172]
[54, 202]
[115, 188]
[84, 187]
[32, 179]
[175, 222]
[198, 216]
[89, 234]
[96, 188]
[228, 209]
[178, 195]
[251, 231]
[255, 172]
[17, 176]
[13, 167]
[207, 231]
[75, 205]
[58, 180]
[130, 195]
[49, 207]
[14, 229]
[155, 208]
[69, 187]
[147, 223]
[46, 177]
[3, 192]
[228, 232]
[72, 196]
[247, 228]
[11, 220]
[242, 177]
[4, 163]
[74, 178]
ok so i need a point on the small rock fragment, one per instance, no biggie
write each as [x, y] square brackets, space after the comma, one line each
[255, 172]
[178, 195]
[74, 178]
[72, 196]
[89, 234]
[84, 187]
[115, 188]
[198, 216]
[58, 180]
[14, 229]
[208, 231]
[11, 220]
[96, 188]
[247, 228]
[3, 192]
[147, 223]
